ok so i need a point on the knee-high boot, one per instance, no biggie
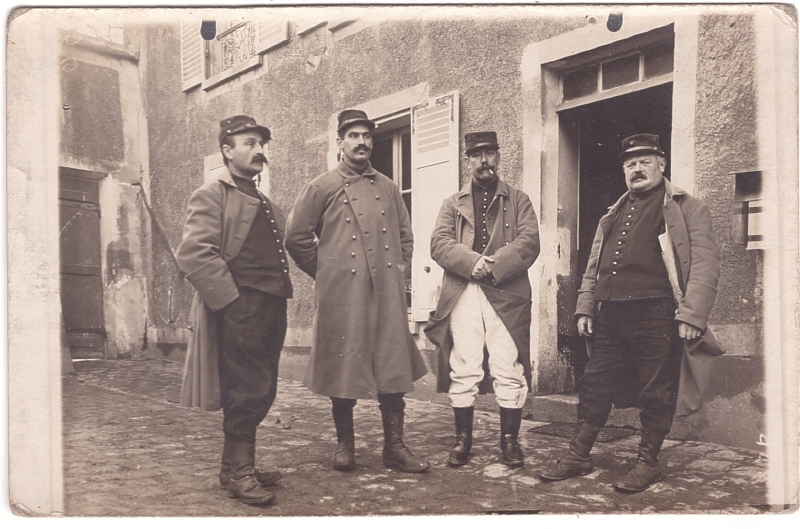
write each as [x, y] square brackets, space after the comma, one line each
[510, 421]
[344, 457]
[395, 453]
[460, 451]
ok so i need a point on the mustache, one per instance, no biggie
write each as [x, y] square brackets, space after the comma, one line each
[259, 158]
[362, 147]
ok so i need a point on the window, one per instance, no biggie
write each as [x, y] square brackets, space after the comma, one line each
[649, 65]
[237, 47]
[391, 155]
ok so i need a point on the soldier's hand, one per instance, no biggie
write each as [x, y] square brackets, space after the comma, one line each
[585, 326]
[481, 268]
[688, 332]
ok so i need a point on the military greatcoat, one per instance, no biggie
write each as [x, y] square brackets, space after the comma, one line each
[362, 346]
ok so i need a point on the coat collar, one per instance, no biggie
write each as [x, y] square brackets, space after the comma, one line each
[226, 177]
[671, 190]
[346, 172]
[502, 189]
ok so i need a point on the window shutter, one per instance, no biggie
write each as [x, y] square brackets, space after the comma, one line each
[192, 56]
[434, 159]
[271, 34]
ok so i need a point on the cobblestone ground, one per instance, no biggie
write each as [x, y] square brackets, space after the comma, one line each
[130, 450]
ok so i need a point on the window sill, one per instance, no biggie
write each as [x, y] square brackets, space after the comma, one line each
[250, 64]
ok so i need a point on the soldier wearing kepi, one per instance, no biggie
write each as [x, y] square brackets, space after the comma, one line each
[636, 316]
[362, 347]
[232, 253]
[486, 237]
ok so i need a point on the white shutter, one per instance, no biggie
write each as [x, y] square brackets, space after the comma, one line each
[271, 34]
[192, 55]
[434, 177]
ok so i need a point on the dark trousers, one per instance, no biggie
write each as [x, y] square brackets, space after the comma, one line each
[250, 332]
[635, 360]
[388, 402]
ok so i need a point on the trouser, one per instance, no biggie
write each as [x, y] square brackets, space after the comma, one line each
[388, 402]
[474, 324]
[636, 355]
[250, 334]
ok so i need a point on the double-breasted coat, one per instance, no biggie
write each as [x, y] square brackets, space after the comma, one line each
[352, 234]
[514, 245]
[218, 222]
[695, 253]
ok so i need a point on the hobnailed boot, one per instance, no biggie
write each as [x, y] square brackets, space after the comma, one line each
[344, 457]
[395, 453]
[243, 483]
[510, 420]
[266, 479]
[460, 451]
[647, 470]
[577, 461]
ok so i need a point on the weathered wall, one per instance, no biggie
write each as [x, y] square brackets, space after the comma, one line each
[312, 77]
[101, 128]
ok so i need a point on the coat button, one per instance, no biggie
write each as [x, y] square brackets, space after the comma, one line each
[389, 265]
[384, 230]
[354, 237]
[371, 181]
[347, 184]
[383, 212]
[505, 209]
[353, 271]
[345, 201]
[377, 197]
[386, 247]
[506, 225]
[353, 254]
[348, 219]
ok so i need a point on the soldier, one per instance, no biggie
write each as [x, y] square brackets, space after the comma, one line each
[362, 346]
[636, 318]
[232, 253]
[486, 237]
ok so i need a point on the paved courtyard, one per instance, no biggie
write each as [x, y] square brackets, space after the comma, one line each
[131, 450]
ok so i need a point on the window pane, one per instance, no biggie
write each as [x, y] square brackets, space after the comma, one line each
[580, 83]
[622, 71]
[407, 200]
[381, 158]
[406, 161]
[658, 60]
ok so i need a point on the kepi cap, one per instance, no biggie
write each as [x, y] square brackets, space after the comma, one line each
[237, 124]
[640, 144]
[350, 116]
[476, 140]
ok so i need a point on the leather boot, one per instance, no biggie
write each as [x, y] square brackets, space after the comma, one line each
[577, 461]
[647, 470]
[395, 453]
[266, 479]
[344, 457]
[460, 451]
[510, 420]
[243, 483]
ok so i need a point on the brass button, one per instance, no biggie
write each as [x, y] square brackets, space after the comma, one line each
[614, 273]
[347, 184]
[353, 271]
[383, 212]
[352, 254]
[345, 201]
[506, 225]
[377, 197]
[371, 181]
[389, 265]
[354, 237]
[348, 219]
[384, 230]
[386, 247]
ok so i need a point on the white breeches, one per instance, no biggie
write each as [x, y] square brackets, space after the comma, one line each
[473, 323]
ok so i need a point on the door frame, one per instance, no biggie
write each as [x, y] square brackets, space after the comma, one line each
[550, 155]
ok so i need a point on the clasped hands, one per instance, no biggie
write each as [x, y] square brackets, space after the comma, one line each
[481, 268]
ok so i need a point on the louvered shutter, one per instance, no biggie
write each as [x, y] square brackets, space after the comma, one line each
[271, 34]
[192, 55]
[434, 159]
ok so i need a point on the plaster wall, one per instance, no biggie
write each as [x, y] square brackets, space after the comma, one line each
[101, 125]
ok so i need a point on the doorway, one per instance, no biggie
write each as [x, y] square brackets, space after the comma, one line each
[596, 131]
[80, 258]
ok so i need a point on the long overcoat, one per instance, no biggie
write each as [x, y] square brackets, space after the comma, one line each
[514, 245]
[218, 222]
[696, 254]
[352, 234]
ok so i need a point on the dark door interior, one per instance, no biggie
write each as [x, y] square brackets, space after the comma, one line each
[603, 126]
